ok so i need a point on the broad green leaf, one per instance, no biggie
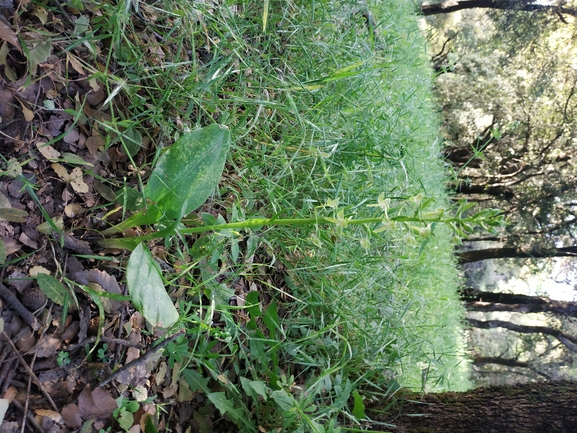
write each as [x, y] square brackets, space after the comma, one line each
[52, 288]
[341, 400]
[125, 420]
[13, 215]
[251, 245]
[283, 399]
[147, 291]
[71, 158]
[359, 406]
[10, 74]
[270, 319]
[208, 219]
[104, 190]
[38, 55]
[129, 198]
[224, 405]
[252, 304]
[189, 170]
[82, 23]
[149, 426]
[196, 381]
[132, 140]
[254, 388]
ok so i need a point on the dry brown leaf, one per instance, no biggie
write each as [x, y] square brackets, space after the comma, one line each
[7, 34]
[74, 178]
[4, 201]
[10, 394]
[140, 393]
[7, 111]
[47, 151]
[94, 144]
[104, 279]
[47, 346]
[72, 136]
[27, 341]
[25, 239]
[35, 270]
[75, 63]
[184, 392]
[72, 209]
[28, 113]
[95, 404]
[61, 172]
[77, 182]
[52, 93]
[40, 13]
[54, 416]
[106, 403]
[71, 332]
[94, 84]
[12, 245]
[101, 280]
[71, 416]
[223, 379]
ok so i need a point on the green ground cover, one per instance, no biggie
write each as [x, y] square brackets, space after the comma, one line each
[330, 114]
[323, 104]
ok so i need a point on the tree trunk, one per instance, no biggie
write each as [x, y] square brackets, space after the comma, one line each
[529, 408]
[491, 301]
[518, 5]
[513, 252]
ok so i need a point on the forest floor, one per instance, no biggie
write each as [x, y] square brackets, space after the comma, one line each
[90, 94]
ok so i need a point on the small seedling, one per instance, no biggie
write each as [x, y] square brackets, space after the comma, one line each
[63, 359]
[124, 413]
[102, 356]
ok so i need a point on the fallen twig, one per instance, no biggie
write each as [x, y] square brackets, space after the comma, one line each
[29, 416]
[25, 412]
[140, 360]
[109, 340]
[30, 372]
[17, 306]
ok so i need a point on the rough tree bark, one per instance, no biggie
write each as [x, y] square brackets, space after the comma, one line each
[529, 408]
[514, 252]
[518, 5]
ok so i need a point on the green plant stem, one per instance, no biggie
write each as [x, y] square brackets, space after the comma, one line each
[132, 242]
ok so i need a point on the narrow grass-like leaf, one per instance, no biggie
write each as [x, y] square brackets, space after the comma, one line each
[147, 291]
[52, 288]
